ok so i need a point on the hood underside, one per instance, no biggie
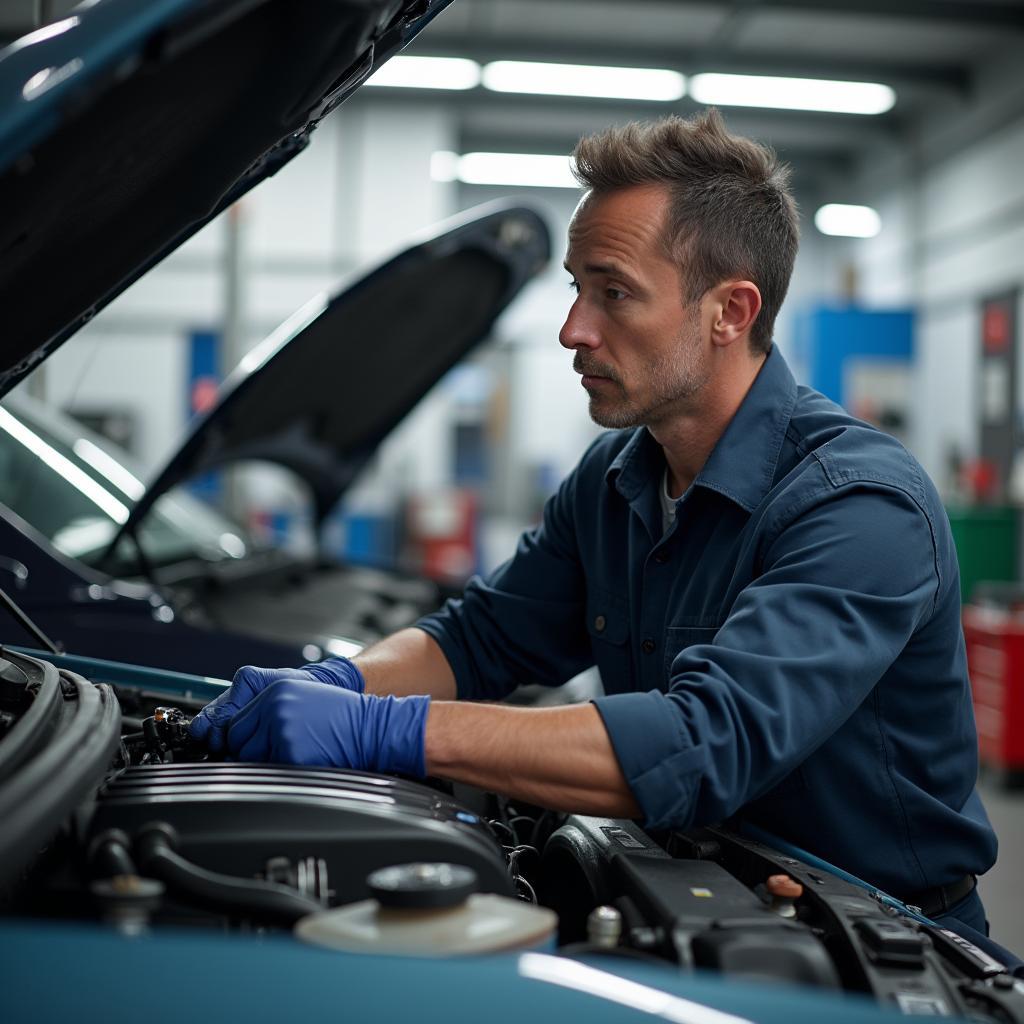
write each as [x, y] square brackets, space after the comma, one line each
[127, 126]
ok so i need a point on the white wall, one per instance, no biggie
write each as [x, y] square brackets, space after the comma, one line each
[119, 372]
[952, 206]
[951, 199]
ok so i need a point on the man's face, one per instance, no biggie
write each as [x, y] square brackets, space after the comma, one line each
[638, 345]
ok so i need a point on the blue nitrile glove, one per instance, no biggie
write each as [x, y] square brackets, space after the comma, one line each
[210, 725]
[294, 721]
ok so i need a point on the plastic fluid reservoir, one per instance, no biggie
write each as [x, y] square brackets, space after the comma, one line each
[430, 910]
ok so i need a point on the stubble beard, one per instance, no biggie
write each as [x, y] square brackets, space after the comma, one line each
[666, 382]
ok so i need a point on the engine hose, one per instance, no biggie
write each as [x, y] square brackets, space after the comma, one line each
[108, 855]
[154, 850]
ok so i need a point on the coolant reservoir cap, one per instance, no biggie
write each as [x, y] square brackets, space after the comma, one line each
[423, 885]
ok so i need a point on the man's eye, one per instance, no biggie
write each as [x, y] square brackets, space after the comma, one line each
[614, 293]
[574, 286]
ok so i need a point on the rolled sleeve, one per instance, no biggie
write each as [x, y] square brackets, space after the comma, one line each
[659, 759]
[846, 578]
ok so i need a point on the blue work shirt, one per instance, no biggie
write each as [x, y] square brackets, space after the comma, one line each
[789, 651]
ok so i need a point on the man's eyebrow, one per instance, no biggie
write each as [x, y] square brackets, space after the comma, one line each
[610, 269]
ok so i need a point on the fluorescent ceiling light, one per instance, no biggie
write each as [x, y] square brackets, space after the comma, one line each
[793, 93]
[584, 80]
[849, 221]
[530, 170]
[428, 73]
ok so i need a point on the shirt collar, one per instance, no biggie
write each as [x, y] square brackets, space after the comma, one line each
[742, 464]
[639, 461]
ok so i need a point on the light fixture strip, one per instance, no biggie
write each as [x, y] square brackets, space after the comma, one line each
[848, 221]
[526, 170]
[792, 93]
[538, 78]
[452, 73]
[656, 85]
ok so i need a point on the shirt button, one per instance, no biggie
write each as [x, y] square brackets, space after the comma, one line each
[600, 623]
[661, 556]
[648, 646]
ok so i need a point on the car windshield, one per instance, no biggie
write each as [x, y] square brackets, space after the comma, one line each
[69, 486]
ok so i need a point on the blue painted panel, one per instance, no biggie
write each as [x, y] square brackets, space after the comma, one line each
[826, 338]
[270, 980]
[116, 673]
[204, 377]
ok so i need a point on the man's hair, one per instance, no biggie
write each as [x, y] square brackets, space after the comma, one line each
[731, 214]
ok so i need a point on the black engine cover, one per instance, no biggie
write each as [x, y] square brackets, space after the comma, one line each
[234, 818]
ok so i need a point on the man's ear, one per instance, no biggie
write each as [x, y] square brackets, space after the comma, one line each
[735, 306]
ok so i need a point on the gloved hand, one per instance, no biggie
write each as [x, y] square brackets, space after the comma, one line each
[294, 721]
[210, 725]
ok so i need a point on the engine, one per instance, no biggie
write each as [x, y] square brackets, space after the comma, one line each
[326, 827]
[105, 793]
[112, 815]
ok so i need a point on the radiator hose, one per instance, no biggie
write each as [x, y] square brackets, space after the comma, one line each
[156, 854]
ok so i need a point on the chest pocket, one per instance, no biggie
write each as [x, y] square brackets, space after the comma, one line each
[678, 638]
[608, 626]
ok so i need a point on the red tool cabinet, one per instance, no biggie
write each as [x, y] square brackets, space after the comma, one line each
[995, 659]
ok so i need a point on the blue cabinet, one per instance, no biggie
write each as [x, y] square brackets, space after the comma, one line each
[833, 343]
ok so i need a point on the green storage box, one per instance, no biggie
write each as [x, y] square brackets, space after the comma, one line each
[986, 544]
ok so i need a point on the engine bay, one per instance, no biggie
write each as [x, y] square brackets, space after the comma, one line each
[113, 816]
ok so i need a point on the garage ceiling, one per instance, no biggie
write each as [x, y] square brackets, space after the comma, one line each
[932, 52]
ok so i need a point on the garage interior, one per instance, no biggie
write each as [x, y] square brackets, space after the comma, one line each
[927, 293]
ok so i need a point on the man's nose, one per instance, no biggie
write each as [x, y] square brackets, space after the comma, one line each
[579, 329]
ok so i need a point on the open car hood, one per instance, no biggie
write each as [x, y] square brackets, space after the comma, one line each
[127, 126]
[321, 393]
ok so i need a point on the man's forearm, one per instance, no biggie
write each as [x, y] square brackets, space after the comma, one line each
[407, 662]
[560, 758]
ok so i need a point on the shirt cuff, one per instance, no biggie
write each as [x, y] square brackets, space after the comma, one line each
[453, 654]
[661, 765]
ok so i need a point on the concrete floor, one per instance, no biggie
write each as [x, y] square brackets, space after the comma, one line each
[1002, 889]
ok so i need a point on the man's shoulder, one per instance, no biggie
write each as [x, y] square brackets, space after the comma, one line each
[850, 451]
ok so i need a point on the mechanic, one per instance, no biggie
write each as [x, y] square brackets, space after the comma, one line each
[768, 586]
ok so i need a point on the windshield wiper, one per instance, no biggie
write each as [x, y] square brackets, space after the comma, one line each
[106, 561]
[27, 624]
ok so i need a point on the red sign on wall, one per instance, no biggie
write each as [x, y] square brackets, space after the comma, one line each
[995, 327]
